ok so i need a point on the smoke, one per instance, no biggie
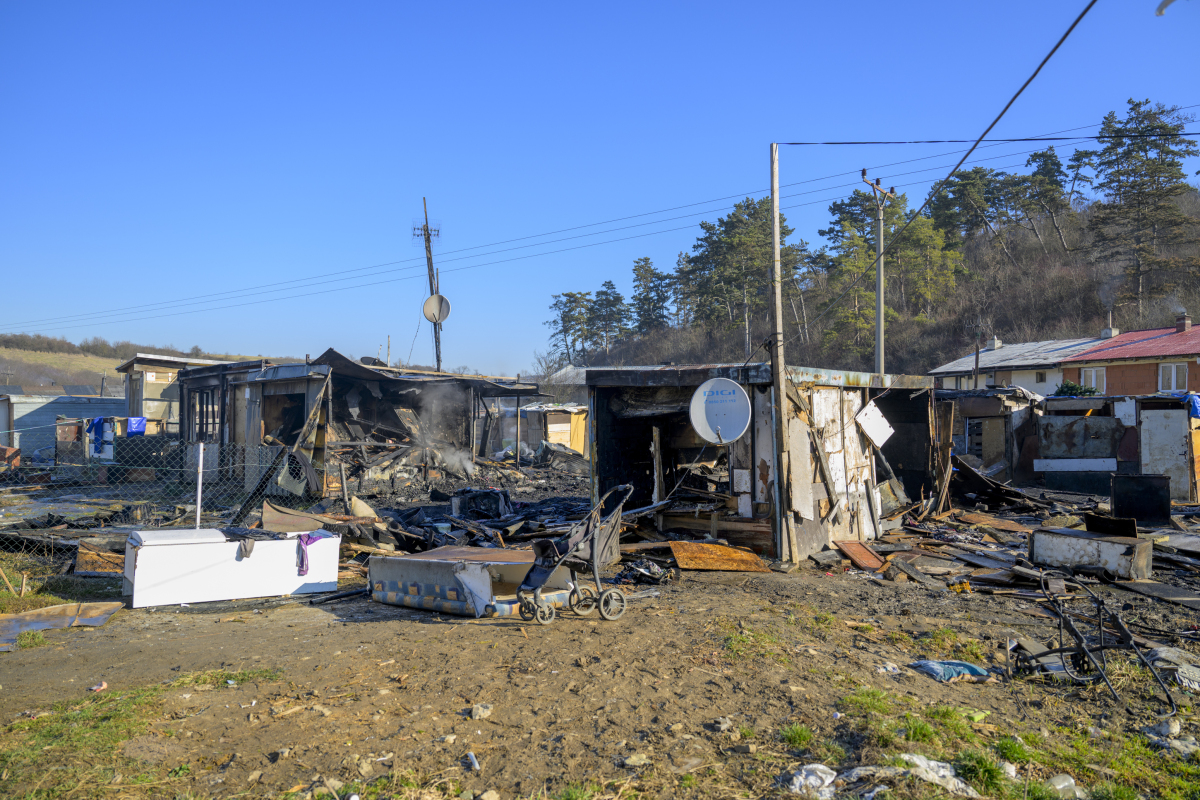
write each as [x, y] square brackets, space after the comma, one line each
[1109, 289]
[456, 461]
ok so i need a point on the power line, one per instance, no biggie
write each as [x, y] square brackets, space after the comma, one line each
[1025, 139]
[93, 317]
[966, 155]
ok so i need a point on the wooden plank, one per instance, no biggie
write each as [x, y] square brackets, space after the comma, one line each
[862, 556]
[694, 555]
[638, 547]
[95, 563]
[690, 522]
[999, 523]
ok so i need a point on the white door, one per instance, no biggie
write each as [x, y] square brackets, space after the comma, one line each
[1163, 441]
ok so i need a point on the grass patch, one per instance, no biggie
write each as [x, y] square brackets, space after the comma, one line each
[585, 791]
[76, 748]
[827, 751]
[900, 639]
[1112, 791]
[951, 720]
[27, 639]
[796, 736]
[742, 643]
[746, 733]
[866, 700]
[918, 730]
[938, 642]
[1012, 749]
[688, 782]
[977, 769]
[220, 677]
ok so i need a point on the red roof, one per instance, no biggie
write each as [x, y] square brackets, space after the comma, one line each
[1156, 343]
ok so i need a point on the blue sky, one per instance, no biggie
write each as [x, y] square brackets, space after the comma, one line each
[228, 156]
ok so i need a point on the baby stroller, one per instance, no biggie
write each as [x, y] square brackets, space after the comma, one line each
[586, 543]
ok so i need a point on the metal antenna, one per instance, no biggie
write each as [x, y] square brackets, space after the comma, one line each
[428, 234]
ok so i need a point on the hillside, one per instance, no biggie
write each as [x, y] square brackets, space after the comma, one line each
[1023, 256]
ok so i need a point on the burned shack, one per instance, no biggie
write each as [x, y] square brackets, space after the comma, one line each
[992, 428]
[343, 422]
[839, 485]
[1083, 441]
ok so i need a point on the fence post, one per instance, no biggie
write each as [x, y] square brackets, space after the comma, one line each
[199, 481]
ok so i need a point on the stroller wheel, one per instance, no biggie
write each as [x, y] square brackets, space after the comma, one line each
[528, 611]
[612, 604]
[582, 600]
[545, 614]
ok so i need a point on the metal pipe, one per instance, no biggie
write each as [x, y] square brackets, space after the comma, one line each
[199, 480]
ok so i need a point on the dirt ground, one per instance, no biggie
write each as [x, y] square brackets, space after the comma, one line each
[259, 699]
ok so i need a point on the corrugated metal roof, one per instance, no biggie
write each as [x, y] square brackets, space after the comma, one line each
[153, 357]
[8, 388]
[1015, 356]
[1156, 343]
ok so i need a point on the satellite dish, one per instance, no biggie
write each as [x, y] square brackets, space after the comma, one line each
[436, 309]
[720, 411]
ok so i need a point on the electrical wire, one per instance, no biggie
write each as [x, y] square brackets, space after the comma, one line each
[966, 155]
[90, 319]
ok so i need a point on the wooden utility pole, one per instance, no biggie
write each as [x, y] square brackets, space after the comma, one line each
[785, 534]
[881, 198]
[427, 234]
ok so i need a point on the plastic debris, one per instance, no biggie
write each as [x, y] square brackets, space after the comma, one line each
[1063, 785]
[815, 780]
[99, 687]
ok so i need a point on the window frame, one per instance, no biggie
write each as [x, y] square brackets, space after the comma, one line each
[1099, 378]
[1173, 368]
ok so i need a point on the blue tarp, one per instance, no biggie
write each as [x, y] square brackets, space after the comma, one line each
[1193, 403]
[137, 426]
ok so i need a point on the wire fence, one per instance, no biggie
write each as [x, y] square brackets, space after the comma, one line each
[72, 507]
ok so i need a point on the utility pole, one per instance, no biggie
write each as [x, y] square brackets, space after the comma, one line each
[429, 234]
[881, 198]
[786, 534]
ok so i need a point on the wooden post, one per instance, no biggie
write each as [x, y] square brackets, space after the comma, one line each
[660, 489]
[785, 534]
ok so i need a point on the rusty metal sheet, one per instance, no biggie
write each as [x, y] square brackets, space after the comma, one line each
[696, 555]
[1079, 437]
[999, 523]
[862, 556]
[72, 615]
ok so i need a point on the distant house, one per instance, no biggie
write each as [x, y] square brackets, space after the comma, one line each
[1036, 366]
[151, 389]
[1161, 360]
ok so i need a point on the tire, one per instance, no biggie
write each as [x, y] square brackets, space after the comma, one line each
[612, 604]
[528, 612]
[582, 600]
[545, 614]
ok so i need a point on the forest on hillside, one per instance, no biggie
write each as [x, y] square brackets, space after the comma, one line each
[1044, 254]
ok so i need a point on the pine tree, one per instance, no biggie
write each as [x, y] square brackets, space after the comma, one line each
[651, 294]
[1138, 226]
[608, 318]
[569, 330]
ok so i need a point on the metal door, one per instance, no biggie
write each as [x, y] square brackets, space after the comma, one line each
[1164, 448]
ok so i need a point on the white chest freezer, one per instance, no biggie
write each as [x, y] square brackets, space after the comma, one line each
[168, 567]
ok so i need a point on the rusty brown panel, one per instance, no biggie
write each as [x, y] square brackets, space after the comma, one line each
[862, 556]
[1128, 449]
[1079, 437]
[993, 522]
[694, 555]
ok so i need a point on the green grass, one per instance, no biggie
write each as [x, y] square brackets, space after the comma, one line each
[220, 677]
[918, 730]
[951, 720]
[796, 736]
[1112, 791]
[939, 642]
[688, 782]
[743, 643]
[27, 639]
[977, 769]
[746, 733]
[76, 748]
[866, 700]
[1012, 749]
[584, 791]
